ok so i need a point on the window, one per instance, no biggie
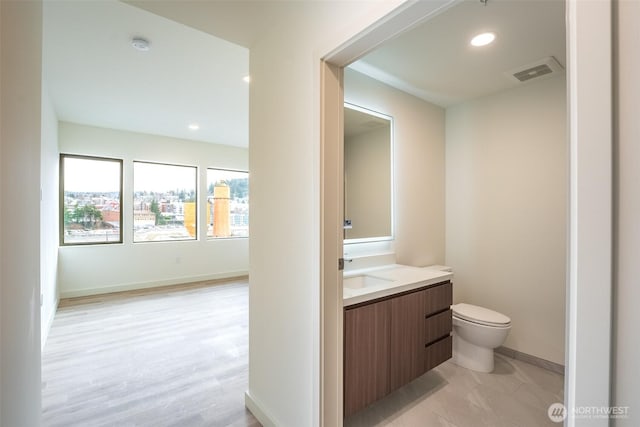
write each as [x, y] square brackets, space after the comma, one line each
[227, 203]
[91, 197]
[164, 202]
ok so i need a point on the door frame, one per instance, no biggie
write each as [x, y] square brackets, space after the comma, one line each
[589, 255]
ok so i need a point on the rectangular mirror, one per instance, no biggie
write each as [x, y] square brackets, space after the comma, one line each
[368, 175]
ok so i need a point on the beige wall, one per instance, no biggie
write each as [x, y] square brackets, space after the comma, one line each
[20, 148]
[626, 348]
[506, 207]
[419, 162]
[367, 172]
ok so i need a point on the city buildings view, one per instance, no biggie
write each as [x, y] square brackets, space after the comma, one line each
[158, 215]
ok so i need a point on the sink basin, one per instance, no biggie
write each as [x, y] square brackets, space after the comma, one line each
[364, 281]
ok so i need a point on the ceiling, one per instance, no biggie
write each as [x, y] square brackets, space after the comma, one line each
[94, 76]
[435, 61]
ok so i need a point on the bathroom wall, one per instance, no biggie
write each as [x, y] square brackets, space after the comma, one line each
[419, 162]
[93, 269]
[506, 209]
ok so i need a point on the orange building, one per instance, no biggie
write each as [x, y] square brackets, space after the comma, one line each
[221, 195]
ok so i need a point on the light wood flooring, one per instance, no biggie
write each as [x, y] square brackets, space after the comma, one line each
[170, 357]
[178, 357]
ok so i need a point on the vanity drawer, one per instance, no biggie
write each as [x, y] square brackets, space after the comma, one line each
[437, 326]
[438, 298]
[437, 353]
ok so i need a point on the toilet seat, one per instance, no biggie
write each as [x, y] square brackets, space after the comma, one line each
[480, 315]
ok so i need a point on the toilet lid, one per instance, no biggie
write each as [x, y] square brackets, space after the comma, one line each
[482, 315]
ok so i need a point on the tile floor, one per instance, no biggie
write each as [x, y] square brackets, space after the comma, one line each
[516, 394]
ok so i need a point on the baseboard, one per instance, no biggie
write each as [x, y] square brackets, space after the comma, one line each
[534, 360]
[258, 411]
[43, 339]
[153, 284]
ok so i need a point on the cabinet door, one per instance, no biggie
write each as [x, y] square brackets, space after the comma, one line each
[366, 355]
[407, 338]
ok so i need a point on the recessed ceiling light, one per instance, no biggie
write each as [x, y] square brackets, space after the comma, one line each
[140, 44]
[483, 39]
[194, 126]
[247, 79]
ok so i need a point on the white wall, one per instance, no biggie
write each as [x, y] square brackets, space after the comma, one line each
[506, 186]
[94, 269]
[419, 167]
[367, 176]
[20, 212]
[626, 348]
[49, 227]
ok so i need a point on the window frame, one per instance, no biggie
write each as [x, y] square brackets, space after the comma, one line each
[61, 203]
[213, 238]
[133, 200]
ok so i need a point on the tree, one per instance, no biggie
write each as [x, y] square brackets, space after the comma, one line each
[239, 188]
[68, 216]
[93, 215]
[155, 208]
[87, 215]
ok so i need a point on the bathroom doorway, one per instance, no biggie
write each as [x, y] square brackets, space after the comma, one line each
[576, 265]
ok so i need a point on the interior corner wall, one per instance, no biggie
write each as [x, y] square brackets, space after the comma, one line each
[626, 316]
[94, 269]
[507, 197]
[49, 227]
[419, 162]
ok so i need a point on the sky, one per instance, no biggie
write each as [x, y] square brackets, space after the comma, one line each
[81, 174]
[89, 175]
[162, 178]
[215, 175]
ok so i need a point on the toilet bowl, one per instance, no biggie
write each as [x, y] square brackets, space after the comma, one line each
[476, 332]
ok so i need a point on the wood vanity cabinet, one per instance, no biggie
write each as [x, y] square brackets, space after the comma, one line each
[391, 341]
[366, 349]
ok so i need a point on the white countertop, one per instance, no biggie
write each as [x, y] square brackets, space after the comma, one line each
[395, 279]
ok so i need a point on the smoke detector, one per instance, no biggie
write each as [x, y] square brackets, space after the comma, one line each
[140, 44]
[545, 67]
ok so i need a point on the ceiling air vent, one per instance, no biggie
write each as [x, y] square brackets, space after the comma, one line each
[544, 67]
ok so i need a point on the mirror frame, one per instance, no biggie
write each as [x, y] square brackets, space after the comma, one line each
[390, 237]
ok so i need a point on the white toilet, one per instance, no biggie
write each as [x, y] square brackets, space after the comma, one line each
[476, 332]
